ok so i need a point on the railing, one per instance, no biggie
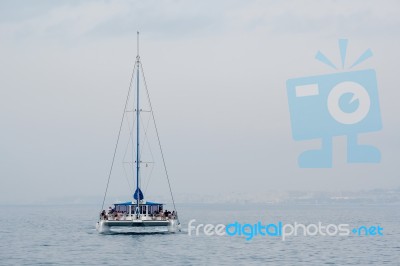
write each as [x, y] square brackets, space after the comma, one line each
[127, 217]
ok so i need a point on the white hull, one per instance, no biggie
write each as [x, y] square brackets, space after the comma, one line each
[104, 226]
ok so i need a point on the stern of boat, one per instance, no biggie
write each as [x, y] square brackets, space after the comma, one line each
[173, 226]
[101, 227]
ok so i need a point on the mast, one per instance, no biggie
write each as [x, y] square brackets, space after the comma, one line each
[137, 128]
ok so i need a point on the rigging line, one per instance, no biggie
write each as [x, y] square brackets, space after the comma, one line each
[126, 177]
[131, 141]
[159, 142]
[119, 134]
[146, 138]
[143, 140]
[127, 146]
[125, 153]
[130, 137]
[132, 128]
[146, 141]
[148, 162]
[149, 177]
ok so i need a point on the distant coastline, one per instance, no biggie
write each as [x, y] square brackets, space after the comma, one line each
[363, 197]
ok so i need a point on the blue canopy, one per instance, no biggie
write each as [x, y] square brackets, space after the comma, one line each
[123, 203]
[153, 203]
[130, 203]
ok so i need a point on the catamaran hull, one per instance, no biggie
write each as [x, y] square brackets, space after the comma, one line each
[104, 226]
[135, 223]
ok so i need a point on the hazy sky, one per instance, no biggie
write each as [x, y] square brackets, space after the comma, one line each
[216, 71]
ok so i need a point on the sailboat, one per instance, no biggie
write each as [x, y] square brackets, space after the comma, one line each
[138, 212]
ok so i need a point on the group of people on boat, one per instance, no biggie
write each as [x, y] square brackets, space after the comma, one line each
[113, 214]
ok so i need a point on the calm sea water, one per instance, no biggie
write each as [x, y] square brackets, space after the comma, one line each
[66, 235]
